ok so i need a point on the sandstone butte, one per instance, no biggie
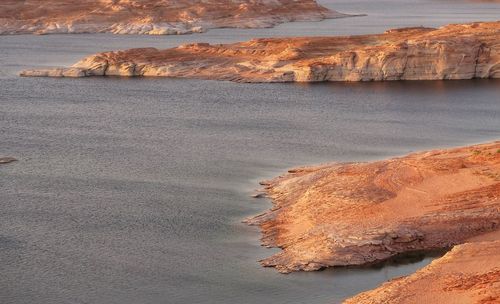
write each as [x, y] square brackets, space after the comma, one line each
[361, 213]
[156, 17]
[458, 51]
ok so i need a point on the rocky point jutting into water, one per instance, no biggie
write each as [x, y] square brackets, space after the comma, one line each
[151, 17]
[6, 160]
[459, 51]
[469, 273]
[362, 213]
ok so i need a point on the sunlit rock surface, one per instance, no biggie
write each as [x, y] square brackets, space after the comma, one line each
[362, 213]
[469, 273]
[461, 51]
[154, 17]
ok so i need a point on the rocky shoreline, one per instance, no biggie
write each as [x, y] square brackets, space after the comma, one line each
[151, 17]
[361, 213]
[458, 51]
[469, 273]
[345, 214]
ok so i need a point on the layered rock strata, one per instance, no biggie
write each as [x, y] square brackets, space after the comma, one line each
[151, 16]
[469, 273]
[459, 51]
[362, 213]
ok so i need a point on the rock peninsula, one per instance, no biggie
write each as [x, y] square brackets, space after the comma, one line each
[361, 213]
[457, 51]
[154, 17]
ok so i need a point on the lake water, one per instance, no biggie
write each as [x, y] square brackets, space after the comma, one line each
[133, 190]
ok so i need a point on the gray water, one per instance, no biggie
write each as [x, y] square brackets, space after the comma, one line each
[133, 190]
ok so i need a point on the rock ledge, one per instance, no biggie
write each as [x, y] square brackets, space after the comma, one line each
[459, 51]
[363, 213]
[151, 17]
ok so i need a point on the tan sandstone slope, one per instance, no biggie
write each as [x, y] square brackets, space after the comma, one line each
[151, 16]
[469, 273]
[459, 51]
[361, 213]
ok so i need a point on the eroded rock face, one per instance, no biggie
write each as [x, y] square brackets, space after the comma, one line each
[469, 273]
[155, 17]
[461, 51]
[362, 213]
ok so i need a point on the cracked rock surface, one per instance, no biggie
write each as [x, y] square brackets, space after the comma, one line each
[361, 213]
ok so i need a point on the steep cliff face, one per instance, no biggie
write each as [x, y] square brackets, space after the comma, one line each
[469, 273]
[361, 213]
[151, 16]
[460, 51]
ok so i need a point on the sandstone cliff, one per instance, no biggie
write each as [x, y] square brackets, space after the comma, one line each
[362, 213]
[460, 51]
[469, 273]
[156, 17]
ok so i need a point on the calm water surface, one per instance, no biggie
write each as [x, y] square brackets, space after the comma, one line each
[133, 190]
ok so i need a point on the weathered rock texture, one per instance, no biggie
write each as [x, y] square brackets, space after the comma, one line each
[469, 273]
[461, 51]
[362, 213]
[156, 17]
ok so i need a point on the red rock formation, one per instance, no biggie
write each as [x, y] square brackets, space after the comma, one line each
[151, 16]
[362, 213]
[462, 51]
[469, 273]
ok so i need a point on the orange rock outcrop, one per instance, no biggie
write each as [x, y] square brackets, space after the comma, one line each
[459, 51]
[469, 273]
[363, 213]
[156, 17]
